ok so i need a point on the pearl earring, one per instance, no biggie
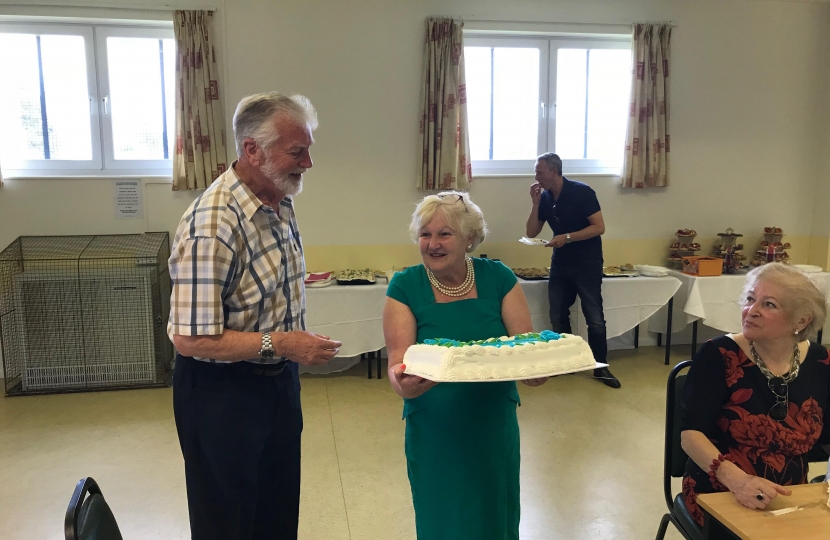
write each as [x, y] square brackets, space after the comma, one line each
[796, 331]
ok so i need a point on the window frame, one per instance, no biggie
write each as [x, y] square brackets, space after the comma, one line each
[103, 163]
[547, 96]
[110, 163]
[52, 166]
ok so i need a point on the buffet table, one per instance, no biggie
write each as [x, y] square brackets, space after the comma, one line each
[713, 300]
[626, 302]
[353, 313]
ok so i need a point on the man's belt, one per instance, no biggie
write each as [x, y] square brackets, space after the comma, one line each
[265, 370]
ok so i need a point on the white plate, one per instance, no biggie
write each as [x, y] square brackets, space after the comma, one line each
[319, 284]
[556, 373]
[533, 241]
[651, 271]
[808, 268]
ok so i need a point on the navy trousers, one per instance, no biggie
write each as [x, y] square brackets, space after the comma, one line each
[240, 438]
[586, 281]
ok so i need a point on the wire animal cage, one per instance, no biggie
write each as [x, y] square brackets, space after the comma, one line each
[81, 313]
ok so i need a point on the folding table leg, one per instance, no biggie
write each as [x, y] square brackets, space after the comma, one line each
[659, 339]
[379, 359]
[637, 337]
[368, 365]
[668, 330]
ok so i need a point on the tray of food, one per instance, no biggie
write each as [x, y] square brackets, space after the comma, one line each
[625, 270]
[356, 277]
[532, 274]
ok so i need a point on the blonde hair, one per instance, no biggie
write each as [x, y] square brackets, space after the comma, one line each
[460, 212]
[802, 296]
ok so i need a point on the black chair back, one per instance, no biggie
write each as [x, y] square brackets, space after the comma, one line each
[674, 458]
[89, 517]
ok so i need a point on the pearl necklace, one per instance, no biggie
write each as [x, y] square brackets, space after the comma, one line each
[795, 363]
[462, 289]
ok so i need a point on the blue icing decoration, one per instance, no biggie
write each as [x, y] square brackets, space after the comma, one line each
[521, 339]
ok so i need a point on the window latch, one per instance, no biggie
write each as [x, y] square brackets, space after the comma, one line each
[106, 104]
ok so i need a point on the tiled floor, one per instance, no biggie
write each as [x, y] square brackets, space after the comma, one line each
[591, 458]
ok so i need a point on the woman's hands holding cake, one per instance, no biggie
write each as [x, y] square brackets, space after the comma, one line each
[408, 386]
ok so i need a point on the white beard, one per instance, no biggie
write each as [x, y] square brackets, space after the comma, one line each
[283, 181]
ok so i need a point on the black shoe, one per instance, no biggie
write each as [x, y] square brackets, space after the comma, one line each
[604, 376]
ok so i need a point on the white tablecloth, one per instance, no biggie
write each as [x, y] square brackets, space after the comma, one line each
[353, 314]
[712, 300]
[626, 302]
[348, 313]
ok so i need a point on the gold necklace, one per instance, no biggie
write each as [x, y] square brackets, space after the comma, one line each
[462, 289]
[794, 364]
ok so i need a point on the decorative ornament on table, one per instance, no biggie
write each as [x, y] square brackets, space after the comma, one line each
[771, 248]
[730, 252]
[683, 246]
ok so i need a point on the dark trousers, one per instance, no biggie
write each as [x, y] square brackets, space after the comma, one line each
[564, 286]
[240, 438]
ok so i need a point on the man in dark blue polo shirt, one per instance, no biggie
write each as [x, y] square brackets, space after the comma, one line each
[573, 213]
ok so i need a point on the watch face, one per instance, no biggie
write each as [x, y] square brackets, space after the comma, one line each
[267, 354]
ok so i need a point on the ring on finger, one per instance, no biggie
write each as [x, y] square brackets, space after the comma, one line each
[760, 496]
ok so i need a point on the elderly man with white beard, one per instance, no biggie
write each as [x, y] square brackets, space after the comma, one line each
[237, 318]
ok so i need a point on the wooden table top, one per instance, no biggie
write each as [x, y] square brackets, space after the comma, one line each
[811, 522]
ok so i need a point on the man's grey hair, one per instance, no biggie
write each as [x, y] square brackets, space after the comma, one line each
[552, 161]
[252, 119]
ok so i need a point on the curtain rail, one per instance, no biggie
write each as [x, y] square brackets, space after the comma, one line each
[168, 7]
[626, 23]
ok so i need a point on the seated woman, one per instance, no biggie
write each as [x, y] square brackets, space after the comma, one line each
[462, 439]
[755, 403]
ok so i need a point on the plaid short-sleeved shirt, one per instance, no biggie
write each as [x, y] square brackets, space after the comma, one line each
[236, 264]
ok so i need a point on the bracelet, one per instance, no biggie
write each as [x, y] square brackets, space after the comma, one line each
[713, 470]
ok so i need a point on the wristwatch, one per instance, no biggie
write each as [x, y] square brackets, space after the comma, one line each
[267, 350]
[568, 238]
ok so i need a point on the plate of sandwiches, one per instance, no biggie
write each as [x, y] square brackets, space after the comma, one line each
[532, 274]
[319, 279]
[625, 270]
[356, 277]
[533, 241]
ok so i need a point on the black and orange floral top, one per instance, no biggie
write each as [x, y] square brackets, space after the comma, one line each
[727, 398]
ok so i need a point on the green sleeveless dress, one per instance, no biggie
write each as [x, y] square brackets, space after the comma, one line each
[462, 439]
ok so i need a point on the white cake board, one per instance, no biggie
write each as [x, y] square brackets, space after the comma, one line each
[539, 376]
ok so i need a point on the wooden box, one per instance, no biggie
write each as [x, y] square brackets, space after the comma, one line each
[702, 266]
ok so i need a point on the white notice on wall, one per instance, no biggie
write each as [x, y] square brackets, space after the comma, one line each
[129, 199]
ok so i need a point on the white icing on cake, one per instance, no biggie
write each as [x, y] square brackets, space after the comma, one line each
[521, 357]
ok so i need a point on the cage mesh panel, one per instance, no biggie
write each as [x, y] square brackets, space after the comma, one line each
[85, 312]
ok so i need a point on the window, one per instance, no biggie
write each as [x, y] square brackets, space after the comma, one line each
[528, 96]
[86, 100]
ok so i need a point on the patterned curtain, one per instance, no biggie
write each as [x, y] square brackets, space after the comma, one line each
[200, 124]
[444, 138]
[646, 162]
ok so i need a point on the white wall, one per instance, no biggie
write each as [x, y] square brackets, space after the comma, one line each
[749, 95]
[745, 87]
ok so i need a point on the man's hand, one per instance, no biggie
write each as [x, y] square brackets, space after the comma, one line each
[536, 193]
[557, 241]
[411, 386]
[307, 348]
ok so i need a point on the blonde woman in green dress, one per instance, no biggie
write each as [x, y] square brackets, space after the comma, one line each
[462, 439]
